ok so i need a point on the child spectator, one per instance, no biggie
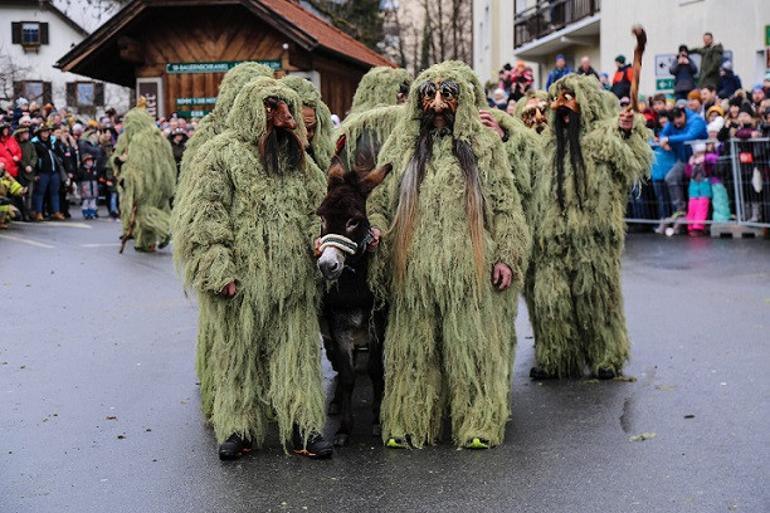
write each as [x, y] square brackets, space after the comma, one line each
[88, 183]
[663, 162]
[699, 190]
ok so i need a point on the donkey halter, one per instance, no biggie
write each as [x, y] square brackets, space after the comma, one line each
[344, 244]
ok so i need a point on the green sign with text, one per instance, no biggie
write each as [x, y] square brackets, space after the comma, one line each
[196, 101]
[767, 35]
[192, 114]
[664, 84]
[214, 67]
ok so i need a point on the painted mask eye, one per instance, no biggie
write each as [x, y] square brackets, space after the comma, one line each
[428, 90]
[449, 89]
[323, 224]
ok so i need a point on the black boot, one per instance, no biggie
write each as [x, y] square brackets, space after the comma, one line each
[605, 373]
[233, 448]
[537, 373]
[316, 448]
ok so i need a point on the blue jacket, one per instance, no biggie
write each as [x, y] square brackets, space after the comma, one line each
[662, 164]
[556, 74]
[694, 129]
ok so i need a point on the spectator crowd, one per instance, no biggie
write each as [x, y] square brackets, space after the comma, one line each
[693, 130]
[51, 159]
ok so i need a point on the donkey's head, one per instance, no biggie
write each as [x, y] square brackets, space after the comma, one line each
[345, 231]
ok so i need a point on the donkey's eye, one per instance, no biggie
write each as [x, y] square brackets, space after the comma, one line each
[323, 224]
[352, 224]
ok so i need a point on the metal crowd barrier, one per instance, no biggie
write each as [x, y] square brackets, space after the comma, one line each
[737, 172]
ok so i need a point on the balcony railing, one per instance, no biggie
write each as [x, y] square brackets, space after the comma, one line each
[550, 16]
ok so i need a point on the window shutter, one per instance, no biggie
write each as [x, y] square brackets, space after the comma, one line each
[16, 32]
[47, 96]
[72, 94]
[99, 94]
[44, 33]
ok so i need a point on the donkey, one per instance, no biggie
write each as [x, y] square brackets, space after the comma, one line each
[348, 304]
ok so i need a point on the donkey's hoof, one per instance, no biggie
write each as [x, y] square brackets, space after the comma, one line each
[334, 408]
[538, 373]
[341, 439]
[376, 430]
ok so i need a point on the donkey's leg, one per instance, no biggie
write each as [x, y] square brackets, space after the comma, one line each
[346, 378]
[376, 368]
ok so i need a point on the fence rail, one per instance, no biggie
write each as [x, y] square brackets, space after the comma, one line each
[728, 186]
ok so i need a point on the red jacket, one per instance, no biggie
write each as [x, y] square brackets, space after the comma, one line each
[9, 148]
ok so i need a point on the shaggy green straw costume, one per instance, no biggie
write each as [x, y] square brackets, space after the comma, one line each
[148, 177]
[237, 220]
[450, 334]
[379, 87]
[365, 134]
[322, 145]
[214, 122]
[578, 306]
[209, 127]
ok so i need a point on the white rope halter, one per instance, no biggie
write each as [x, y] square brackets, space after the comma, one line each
[333, 240]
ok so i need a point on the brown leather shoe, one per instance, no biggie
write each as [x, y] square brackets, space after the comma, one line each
[38, 217]
[58, 216]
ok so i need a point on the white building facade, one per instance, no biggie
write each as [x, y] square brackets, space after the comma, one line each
[33, 36]
[601, 30]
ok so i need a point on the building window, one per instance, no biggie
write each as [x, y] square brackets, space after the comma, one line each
[30, 34]
[86, 92]
[33, 91]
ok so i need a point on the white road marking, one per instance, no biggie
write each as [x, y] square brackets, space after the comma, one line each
[101, 245]
[62, 224]
[27, 241]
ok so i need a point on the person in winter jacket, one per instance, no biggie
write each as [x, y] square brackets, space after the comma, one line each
[88, 186]
[685, 126]
[26, 167]
[621, 81]
[728, 82]
[586, 68]
[711, 60]
[684, 71]
[47, 175]
[559, 71]
[178, 140]
[10, 153]
[699, 189]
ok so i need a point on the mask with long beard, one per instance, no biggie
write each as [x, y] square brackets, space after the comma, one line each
[438, 101]
[567, 132]
[280, 136]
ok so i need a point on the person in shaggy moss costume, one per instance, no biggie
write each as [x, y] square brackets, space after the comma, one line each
[243, 233]
[317, 118]
[454, 222]
[380, 87]
[210, 126]
[595, 153]
[214, 122]
[146, 180]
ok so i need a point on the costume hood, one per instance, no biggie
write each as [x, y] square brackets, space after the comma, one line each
[323, 142]
[248, 119]
[594, 104]
[379, 88]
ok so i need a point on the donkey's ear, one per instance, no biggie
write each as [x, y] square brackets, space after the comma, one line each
[374, 178]
[336, 173]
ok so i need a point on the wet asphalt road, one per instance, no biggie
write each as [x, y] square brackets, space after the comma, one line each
[99, 404]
